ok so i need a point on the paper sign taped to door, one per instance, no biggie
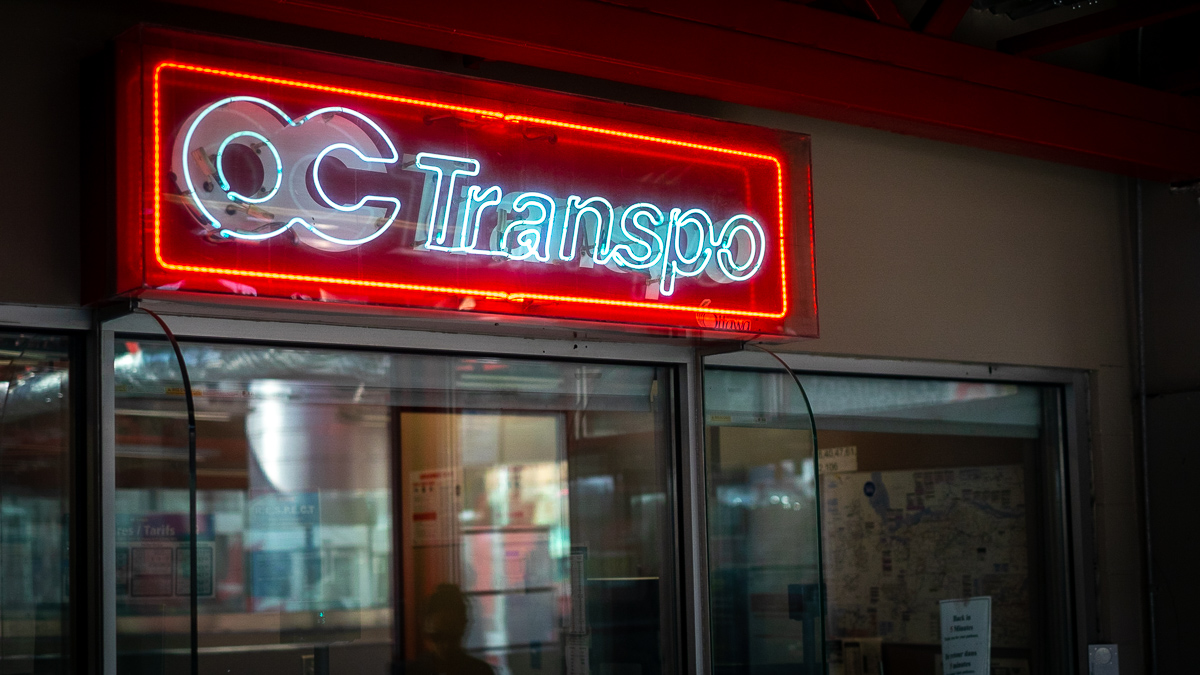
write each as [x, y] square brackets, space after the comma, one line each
[967, 636]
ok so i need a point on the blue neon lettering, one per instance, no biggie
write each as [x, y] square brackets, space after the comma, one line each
[727, 240]
[444, 170]
[665, 246]
[243, 219]
[638, 227]
[532, 238]
[470, 216]
[599, 246]
[676, 260]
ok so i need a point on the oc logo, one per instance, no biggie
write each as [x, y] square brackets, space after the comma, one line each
[247, 168]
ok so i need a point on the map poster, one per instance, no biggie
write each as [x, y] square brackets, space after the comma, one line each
[896, 543]
[966, 636]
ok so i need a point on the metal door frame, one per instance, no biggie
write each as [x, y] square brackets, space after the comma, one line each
[1074, 457]
[687, 467]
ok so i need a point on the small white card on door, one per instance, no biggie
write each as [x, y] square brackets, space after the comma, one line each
[967, 636]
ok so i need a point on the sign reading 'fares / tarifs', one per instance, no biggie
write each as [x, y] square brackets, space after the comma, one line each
[314, 186]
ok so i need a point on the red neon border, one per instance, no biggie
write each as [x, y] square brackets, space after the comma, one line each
[490, 294]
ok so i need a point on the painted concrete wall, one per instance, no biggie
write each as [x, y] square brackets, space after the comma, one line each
[925, 250]
[1171, 232]
[963, 255]
[932, 251]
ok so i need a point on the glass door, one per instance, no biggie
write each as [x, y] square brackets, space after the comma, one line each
[763, 527]
[367, 512]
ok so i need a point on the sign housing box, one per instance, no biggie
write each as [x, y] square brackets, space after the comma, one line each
[255, 170]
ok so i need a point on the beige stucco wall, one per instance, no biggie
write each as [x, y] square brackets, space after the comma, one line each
[927, 250]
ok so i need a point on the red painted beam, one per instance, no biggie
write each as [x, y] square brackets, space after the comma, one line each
[907, 50]
[940, 17]
[1095, 26]
[796, 59]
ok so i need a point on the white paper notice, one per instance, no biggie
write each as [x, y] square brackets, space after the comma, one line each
[578, 622]
[839, 460]
[578, 659]
[967, 636]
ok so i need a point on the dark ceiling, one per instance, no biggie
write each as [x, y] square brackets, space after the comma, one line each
[1148, 42]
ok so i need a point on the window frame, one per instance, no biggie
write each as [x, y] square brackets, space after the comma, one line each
[317, 332]
[1073, 460]
[351, 331]
[83, 558]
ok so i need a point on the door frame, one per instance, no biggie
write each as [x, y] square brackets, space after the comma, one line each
[307, 330]
[1074, 456]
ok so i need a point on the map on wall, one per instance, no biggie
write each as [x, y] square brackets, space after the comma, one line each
[897, 542]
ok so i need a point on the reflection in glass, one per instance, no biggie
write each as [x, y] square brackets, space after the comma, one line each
[361, 512]
[929, 491]
[35, 454]
[447, 617]
[764, 571]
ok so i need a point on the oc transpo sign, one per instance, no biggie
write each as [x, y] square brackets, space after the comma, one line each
[318, 189]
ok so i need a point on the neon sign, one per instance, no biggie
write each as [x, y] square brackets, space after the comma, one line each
[638, 237]
[316, 188]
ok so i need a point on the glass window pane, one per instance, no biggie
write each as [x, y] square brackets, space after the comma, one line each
[35, 462]
[941, 501]
[862, 403]
[764, 570]
[469, 514]
[930, 490]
